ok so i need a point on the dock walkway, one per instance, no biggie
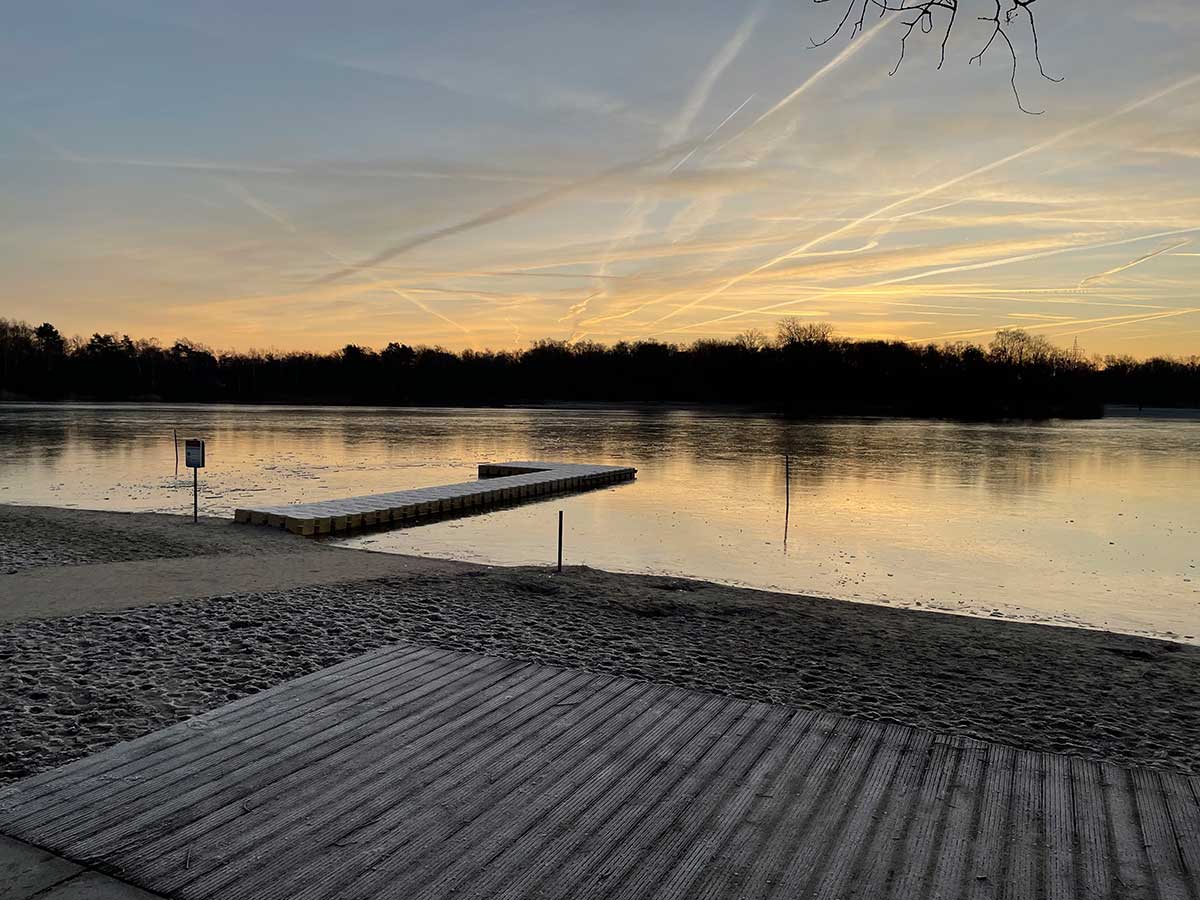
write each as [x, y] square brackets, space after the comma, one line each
[499, 483]
[420, 773]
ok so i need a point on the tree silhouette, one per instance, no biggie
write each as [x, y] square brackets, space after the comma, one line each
[938, 18]
[807, 370]
[1016, 347]
[49, 341]
[795, 331]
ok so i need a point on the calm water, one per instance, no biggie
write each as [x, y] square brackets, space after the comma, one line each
[1094, 523]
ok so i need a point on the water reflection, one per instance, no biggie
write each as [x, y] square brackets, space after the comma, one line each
[1093, 522]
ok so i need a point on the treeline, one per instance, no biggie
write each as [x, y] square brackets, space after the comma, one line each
[803, 370]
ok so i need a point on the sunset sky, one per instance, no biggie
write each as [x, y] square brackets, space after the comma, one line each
[305, 174]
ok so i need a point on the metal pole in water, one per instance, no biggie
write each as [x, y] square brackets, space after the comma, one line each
[195, 495]
[560, 526]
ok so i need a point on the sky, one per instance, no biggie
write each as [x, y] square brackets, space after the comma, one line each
[302, 175]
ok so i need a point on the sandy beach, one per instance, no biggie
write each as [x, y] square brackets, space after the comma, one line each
[114, 625]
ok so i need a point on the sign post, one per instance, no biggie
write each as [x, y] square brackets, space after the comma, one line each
[193, 458]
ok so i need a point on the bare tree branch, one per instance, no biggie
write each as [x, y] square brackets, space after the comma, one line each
[939, 16]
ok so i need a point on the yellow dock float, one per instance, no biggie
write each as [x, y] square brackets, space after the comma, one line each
[498, 483]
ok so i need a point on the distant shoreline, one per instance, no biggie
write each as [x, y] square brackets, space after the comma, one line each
[1122, 411]
[805, 369]
[1112, 410]
[159, 628]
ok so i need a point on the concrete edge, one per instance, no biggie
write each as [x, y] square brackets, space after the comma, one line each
[28, 872]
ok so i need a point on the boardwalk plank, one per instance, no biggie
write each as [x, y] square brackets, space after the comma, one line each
[270, 810]
[843, 855]
[1166, 861]
[1091, 820]
[1026, 876]
[1059, 809]
[721, 831]
[601, 814]
[636, 867]
[797, 838]
[520, 810]
[956, 844]
[760, 845]
[920, 850]
[431, 775]
[176, 786]
[303, 692]
[1131, 866]
[985, 876]
[891, 826]
[136, 763]
[856, 788]
[1183, 809]
[324, 845]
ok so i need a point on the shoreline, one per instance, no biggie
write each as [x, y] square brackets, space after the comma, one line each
[916, 606]
[716, 408]
[161, 556]
[76, 680]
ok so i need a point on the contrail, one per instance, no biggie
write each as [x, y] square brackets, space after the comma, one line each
[637, 213]
[1136, 262]
[523, 273]
[714, 203]
[869, 246]
[1110, 322]
[1168, 315]
[672, 136]
[577, 308]
[1041, 254]
[920, 195]
[713, 133]
[218, 167]
[698, 97]
[981, 332]
[284, 222]
[848, 52]
[946, 270]
[498, 214]
[675, 130]
[418, 304]
[59, 151]
[498, 273]
[269, 211]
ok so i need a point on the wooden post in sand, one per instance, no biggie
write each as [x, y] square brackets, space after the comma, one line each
[560, 524]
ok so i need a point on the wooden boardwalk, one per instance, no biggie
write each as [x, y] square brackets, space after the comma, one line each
[501, 483]
[418, 773]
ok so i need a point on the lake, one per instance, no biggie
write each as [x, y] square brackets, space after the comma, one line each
[1092, 523]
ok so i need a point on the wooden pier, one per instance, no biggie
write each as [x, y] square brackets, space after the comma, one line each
[432, 775]
[500, 483]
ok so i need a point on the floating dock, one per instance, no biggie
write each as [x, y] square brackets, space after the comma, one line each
[427, 774]
[500, 483]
